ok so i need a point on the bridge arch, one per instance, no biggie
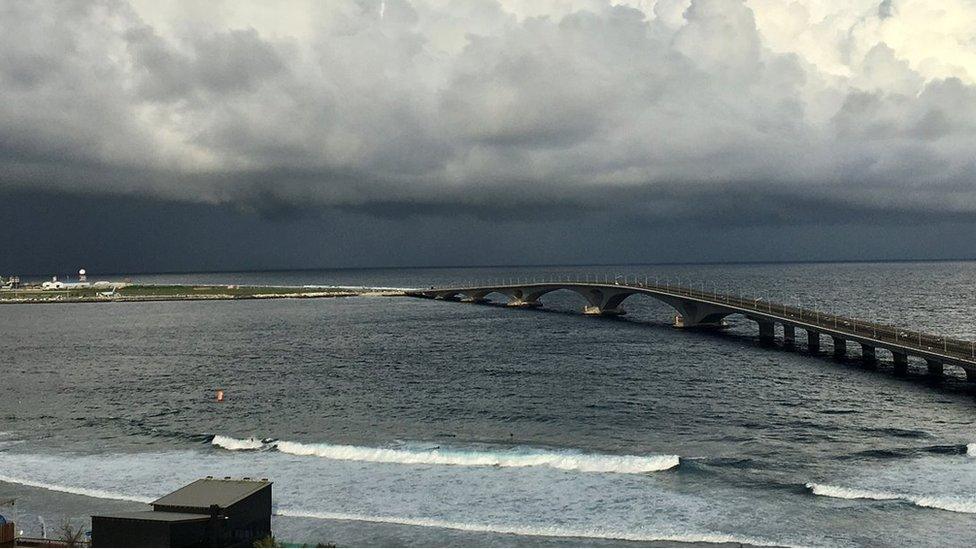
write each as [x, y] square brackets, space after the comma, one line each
[691, 313]
[507, 296]
[592, 295]
[608, 301]
[604, 300]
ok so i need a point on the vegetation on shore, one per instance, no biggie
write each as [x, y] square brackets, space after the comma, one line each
[175, 292]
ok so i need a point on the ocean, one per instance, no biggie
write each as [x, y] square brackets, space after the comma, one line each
[403, 421]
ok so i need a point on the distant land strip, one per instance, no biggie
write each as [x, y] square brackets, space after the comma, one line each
[183, 292]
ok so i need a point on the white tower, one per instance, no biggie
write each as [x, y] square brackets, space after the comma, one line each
[82, 277]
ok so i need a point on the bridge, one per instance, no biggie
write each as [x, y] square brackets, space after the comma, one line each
[700, 309]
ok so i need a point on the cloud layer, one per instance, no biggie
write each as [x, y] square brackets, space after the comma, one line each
[751, 112]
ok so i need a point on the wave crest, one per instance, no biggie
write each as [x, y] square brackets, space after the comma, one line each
[230, 443]
[971, 449]
[563, 460]
[945, 503]
[590, 463]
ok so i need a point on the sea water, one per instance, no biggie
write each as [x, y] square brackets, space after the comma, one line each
[454, 420]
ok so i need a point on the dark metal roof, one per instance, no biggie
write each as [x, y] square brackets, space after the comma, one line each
[158, 516]
[211, 491]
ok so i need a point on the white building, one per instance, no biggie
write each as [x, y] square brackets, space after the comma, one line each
[55, 284]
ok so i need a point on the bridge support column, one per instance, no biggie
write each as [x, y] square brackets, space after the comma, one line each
[868, 355]
[520, 298]
[767, 332]
[475, 297]
[700, 316]
[600, 311]
[813, 341]
[935, 367]
[901, 363]
[789, 335]
[840, 346]
[604, 301]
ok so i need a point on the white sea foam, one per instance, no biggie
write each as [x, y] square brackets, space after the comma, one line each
[519, 501]
[230, 443]
[6, 441]
[946, 503]
[564, 460]
[90, 492]
[849, 493]
[971, 449]
[531, 530]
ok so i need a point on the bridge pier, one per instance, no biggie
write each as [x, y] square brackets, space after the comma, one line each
[604, 302]
[868, 355]
[475, 297]
[813, 341]
[789, 335]
[519, 298]
[698, 315]
[901, 363]
[703, 310]
[840, 346]
[600, 311]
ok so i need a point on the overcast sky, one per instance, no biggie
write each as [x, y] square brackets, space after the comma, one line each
[148, 135]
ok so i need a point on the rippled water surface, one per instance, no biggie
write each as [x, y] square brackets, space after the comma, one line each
[489, 420]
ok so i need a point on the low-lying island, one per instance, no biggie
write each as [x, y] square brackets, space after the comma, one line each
[182, 292]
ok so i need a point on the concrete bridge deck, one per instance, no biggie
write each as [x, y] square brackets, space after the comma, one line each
[706, 310]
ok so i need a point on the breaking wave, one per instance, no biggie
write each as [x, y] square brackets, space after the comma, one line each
[6, 441]
[954, 504]
[237, 444]
[530, 530]
[971, 449]
[528, 457]
[90, 492]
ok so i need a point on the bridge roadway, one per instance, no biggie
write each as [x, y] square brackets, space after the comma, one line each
[706, 310]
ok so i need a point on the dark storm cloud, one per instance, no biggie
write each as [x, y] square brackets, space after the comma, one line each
[58, 233]
[694, 113]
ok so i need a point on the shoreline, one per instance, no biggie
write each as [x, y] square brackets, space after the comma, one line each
[185, 292]
[51, 506]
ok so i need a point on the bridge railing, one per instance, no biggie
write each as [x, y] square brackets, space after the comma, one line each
[853, 326]
[850, 325]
